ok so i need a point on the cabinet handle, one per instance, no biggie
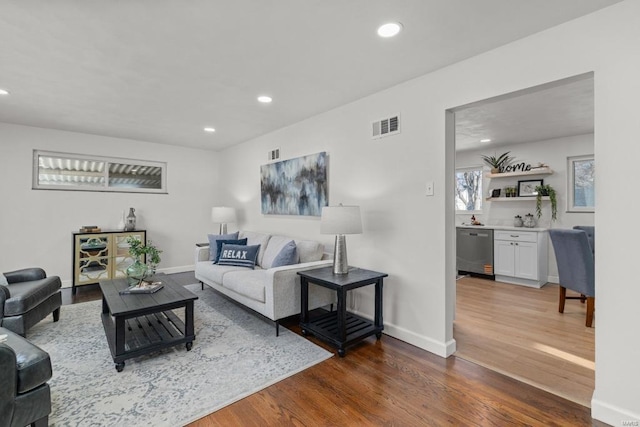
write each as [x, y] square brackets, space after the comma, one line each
[515, 235]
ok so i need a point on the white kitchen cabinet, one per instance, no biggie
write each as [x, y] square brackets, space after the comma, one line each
[520, 257]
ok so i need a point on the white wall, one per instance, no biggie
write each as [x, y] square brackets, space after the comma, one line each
[553, 153]
[411, 236]
[36, 225]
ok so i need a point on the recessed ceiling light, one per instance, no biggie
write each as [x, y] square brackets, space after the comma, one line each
[485, 140]
[390, 29]
[207, 129]
[265, 99]
[4, 92]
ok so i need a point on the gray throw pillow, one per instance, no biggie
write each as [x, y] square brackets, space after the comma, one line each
[213, 247]
[288, 255]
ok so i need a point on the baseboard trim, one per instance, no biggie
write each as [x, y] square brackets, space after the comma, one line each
[611, 414]
[442, 349]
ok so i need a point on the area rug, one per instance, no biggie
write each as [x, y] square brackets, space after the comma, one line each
[236, 353]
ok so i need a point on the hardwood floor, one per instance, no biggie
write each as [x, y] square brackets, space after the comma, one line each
[518, 331]
[389, 382]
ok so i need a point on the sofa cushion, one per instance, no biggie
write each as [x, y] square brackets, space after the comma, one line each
[239, 255]
[212, 242]
[254, 238]
[215, 272]
[33, 363]
[249, 283]
[281, 248]
[309, 250]
[27, 295]
[221, 242]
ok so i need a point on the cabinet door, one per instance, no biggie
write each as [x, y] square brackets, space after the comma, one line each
[526, 260]
[504, 257]
[120, 250]
[92, 258]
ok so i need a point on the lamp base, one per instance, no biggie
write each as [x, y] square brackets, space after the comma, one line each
[223, 228]
[340, 264]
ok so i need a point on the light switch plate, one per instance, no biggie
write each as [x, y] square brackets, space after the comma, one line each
[429, 188]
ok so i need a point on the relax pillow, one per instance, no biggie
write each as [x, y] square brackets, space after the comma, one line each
[288, 255]
[213, 248]
[239, 255]
[219, 243]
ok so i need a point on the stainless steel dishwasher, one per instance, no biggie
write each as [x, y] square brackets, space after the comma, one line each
[474, 248]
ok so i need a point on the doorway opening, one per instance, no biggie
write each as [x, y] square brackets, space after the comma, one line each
[511, 324]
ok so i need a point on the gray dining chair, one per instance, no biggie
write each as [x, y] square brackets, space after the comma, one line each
[576, 268]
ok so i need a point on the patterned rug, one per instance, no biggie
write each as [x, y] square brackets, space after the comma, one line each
[236, 353]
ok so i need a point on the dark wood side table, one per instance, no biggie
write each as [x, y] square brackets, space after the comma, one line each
[341, 328]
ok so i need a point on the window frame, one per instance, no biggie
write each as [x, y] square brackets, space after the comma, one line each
[571, 207]
[36, 185]
[481, 169]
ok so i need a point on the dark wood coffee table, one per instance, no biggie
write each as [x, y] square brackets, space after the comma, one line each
[138, 324]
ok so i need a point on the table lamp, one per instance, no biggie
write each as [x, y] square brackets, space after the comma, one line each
[340, 220]
[223, 216]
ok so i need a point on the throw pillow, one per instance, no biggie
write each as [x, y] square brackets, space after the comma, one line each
[213, 248]
[239, 255]
[288, 255]
[219, 243]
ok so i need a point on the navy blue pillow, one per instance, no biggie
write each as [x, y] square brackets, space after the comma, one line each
[221, 242]
[239, 255]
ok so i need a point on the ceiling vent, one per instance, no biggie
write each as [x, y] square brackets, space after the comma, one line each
[386, 127]
[273, 154]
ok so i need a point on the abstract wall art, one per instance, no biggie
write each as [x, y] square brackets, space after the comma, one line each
[295, 186]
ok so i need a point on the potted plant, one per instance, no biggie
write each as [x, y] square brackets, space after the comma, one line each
[138, 270]
[497, 163]
[542, 191]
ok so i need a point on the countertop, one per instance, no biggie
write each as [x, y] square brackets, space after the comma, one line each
[501, 227]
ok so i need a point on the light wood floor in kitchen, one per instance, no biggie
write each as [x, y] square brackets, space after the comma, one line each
[518, 331]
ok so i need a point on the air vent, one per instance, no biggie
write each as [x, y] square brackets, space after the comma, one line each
[386, 127]
[273, 154]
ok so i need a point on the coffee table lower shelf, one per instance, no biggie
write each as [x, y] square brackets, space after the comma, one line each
[356, 329]
[145, 334]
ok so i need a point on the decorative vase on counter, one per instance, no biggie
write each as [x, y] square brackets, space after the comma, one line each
[517, 221]
[131, 221]
[529, 222]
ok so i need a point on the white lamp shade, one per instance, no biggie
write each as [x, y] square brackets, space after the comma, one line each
[341, 220]
[223, 215]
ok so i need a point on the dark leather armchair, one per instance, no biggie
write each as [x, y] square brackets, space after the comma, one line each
[29, 297]
[25, 398]
[576, 267]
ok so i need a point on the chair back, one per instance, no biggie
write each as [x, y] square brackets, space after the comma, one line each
[591, 234]
[575, 260]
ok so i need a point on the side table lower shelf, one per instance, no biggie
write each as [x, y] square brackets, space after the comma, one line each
[356, 328]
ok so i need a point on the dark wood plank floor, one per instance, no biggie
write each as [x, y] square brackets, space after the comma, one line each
[389, 382]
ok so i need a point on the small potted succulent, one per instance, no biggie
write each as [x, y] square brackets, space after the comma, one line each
[496, 162]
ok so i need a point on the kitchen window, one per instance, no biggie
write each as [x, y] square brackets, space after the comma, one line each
[67, 171]
[581, 175]
[468, 195]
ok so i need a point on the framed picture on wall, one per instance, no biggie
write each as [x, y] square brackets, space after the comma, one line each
[527, 188]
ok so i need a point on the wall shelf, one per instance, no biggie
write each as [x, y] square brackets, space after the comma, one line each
[515, 199]
[539, 171]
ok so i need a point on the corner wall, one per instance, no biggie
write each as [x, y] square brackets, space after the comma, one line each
[409, 235]
[36, 225]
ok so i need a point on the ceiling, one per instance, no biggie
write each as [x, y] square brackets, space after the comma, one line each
[162, 70]
[553, 110]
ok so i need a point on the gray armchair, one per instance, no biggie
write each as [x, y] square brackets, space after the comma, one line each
[27, 298]
[25, 398]
[591, 235]
[576, 267]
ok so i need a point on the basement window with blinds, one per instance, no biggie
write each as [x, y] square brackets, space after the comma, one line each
[67, 171]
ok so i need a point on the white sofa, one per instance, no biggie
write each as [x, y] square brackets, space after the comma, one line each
[272, 292]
